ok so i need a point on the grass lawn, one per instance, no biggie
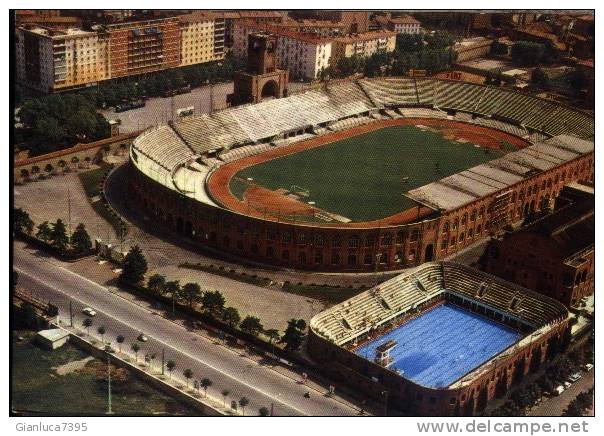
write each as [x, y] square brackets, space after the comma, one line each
[364, 177]
[38, 389]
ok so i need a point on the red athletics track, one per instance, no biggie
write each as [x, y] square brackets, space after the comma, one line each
[273, 201]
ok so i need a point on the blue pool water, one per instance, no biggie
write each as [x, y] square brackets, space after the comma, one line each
[442, 345]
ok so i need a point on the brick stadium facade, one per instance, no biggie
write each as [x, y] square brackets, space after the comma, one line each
[347, 249]
[468, 395]
[329, 247]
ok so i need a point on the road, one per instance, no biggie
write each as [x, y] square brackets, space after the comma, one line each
[554, 406]
[227, 369]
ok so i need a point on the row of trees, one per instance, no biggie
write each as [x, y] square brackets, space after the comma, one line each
[583, 402]
[556, 373]
[528, 53]
[423, 51]
[158, 83]
[211, 302]
[202, 383]
[54, 234]
[58, 121]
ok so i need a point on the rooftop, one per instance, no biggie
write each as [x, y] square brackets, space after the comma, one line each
[460, 189]
[366, 36]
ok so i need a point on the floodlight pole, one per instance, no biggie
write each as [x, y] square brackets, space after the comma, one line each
[109, 411]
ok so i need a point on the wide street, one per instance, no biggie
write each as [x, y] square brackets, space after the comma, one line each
[227, 368]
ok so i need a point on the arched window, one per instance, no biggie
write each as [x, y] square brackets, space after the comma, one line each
[302, 258]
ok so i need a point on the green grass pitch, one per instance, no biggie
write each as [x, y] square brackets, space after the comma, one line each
[363, 177]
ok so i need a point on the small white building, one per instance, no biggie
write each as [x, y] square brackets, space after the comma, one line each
[52, 339]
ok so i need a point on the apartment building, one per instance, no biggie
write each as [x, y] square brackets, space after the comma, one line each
[50, 60]
[304, 55]
[363, 44]
[404, 24]
[201, 38]
[143, 46]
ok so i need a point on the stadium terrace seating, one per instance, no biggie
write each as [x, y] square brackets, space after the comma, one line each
[426, 88]
[500, 125]
[399, 295]
[422, 113]
[531, 307]
[519, 108]
[342, 105]
[190, 181]
[391, 92]
[492, 99]
[392, 114]
[166, 148]
[458, 95]
[349, 98]
[463, 117]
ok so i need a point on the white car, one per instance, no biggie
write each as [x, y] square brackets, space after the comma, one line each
[574, 377]
[566, 385]
[88, 311]
[588, 367]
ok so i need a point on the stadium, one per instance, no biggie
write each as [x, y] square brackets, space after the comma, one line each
[360, 175]
[440, 339]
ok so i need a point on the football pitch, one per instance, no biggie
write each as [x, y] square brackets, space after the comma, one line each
[442, 345]
[363, 177]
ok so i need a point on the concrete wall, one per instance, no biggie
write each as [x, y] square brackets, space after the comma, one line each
[78, 156]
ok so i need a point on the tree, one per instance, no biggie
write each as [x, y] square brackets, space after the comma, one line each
[188, 373]
[44, 232]
[173, 287]
[62, 164]
[49, 168]
[87, 323]
[170, 366]
[205, 383]
[527, 52]
[22, 223]
[263, 411]
[191, 292]
[80, 240]
[251, 325]
[120, 340]
[135, 266]
[573, 409]
[243, 401]
[212, 301]
[136, 348]
[294, 334]
[225, 393]
[231, 316]
[272, 334]
[540, 78]
[58, 236]
[156, 284]
[101, 331]
[577, 80]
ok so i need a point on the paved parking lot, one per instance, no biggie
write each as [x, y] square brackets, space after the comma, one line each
[554, 406]
[157, 110]
[50, 199]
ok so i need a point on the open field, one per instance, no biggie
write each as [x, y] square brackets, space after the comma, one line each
[363, 177]
[67, 381]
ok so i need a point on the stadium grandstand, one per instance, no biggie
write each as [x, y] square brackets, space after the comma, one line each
[185, 156]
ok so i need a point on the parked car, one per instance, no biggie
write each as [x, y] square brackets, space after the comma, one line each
[558, 390]
[574, 377]
[588, 367]
[142, 338]
[566, 385]
[88, 311]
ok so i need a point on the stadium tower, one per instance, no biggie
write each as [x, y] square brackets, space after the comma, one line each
[261, 80]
